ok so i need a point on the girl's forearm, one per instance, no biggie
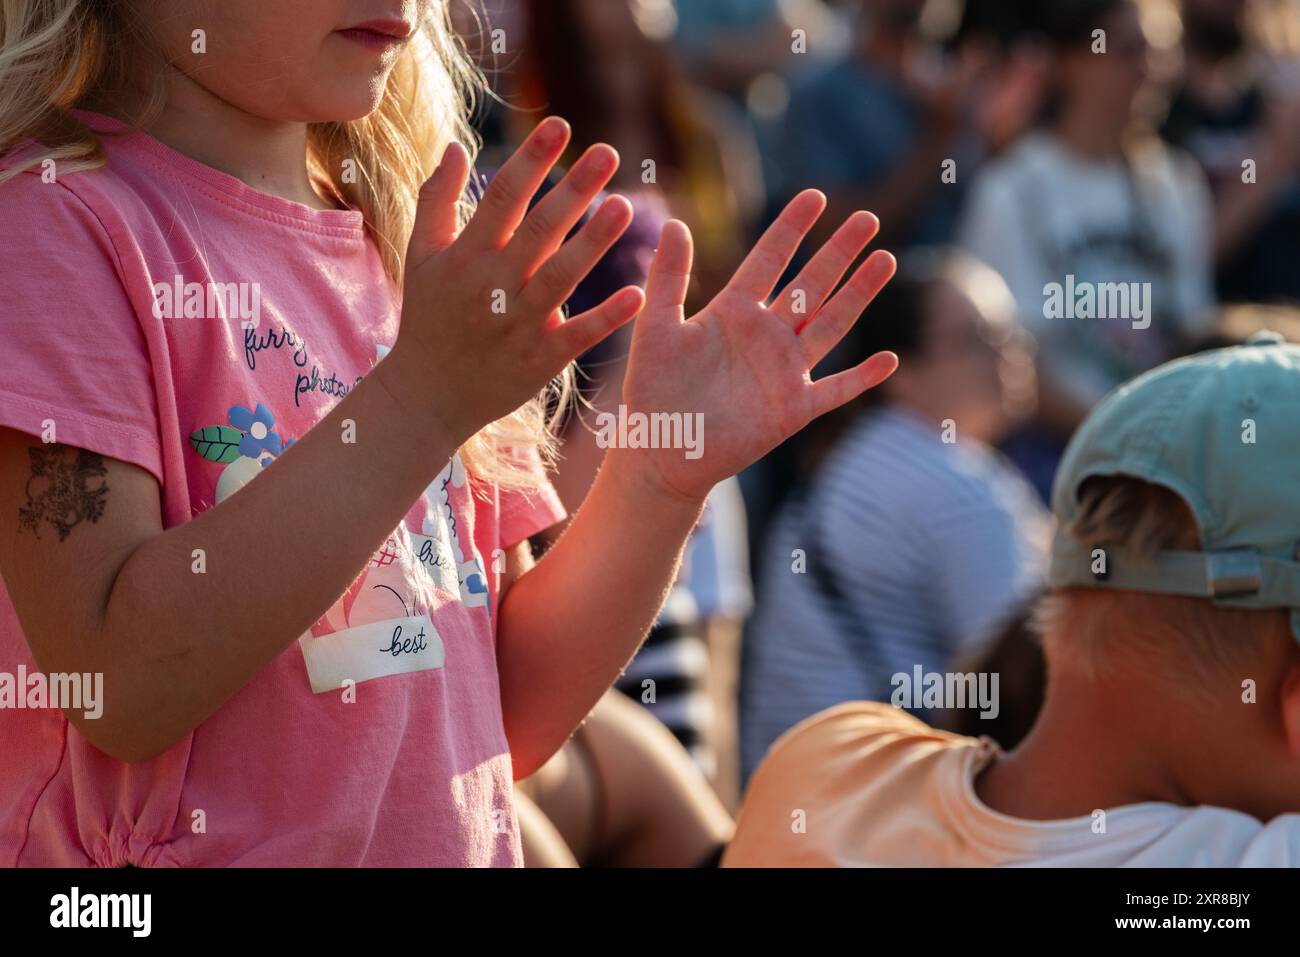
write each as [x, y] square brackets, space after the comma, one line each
[573, 622]
[176, 643]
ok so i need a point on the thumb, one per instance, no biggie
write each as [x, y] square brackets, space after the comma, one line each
[435, 208]
[670, 274]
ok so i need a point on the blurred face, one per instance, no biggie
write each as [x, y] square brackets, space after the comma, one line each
[974, 369]
[1113, 78]
[287, 60]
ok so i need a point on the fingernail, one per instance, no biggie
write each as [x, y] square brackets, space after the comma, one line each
[604, 160]
[551, 132]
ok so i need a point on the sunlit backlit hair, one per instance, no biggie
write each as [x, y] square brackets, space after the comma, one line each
[57, 55]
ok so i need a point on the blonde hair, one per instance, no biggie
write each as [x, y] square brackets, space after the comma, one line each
[57, 54]
[1080, 625]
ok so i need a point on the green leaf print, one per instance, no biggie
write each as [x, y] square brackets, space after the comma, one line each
[217, 443]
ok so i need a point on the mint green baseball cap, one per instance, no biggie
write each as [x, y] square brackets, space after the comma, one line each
[1221, 430]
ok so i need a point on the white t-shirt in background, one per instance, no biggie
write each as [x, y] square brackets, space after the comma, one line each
[1041, 214]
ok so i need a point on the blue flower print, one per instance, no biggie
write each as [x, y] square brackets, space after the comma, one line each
[475, 585]
[258, 438]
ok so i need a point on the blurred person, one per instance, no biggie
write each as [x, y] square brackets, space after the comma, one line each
[728, 44]
[602, 65]
[1092, 200]
[879, 122]
[909, 539]
[1017, 654]
[1239, 100]
[1170, 730]
[620, 793]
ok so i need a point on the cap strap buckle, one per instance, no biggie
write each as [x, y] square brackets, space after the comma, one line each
[1233, 572]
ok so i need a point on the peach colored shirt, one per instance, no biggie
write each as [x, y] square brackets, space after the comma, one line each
[867, 785]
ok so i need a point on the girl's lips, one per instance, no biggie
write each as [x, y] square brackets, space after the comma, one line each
[379, 34]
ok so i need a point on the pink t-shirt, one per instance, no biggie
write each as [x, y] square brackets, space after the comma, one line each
[126, 296]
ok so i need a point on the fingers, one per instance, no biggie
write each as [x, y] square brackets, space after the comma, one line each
[546, 225]
[580, 333]
[503, 206]
[559, 276]
[828, 326]
[805, 294]
[670, 273]
[835, 390]
[436, 208]
[763, 267]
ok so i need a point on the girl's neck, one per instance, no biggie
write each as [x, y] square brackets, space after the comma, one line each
[268, 155]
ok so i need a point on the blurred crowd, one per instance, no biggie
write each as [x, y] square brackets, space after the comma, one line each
[1008, 148]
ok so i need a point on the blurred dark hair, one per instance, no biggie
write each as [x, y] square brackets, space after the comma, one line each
[1016, 657]
[1061, 24]
[1005, 22]
[560, 58]
[1068, 24]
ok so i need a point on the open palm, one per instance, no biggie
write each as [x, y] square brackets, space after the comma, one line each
[742, 364]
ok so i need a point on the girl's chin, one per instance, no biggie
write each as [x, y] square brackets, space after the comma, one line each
[354, 99]
[343, 111]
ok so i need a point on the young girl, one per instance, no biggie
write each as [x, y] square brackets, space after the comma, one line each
[216, 269]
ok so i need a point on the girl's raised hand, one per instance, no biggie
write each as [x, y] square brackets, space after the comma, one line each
[743, 364]
[481, 309]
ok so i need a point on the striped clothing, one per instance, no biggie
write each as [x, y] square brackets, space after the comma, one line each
[668, 674]
[929, 545]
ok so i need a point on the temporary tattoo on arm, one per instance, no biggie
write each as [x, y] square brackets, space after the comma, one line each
[66, 487]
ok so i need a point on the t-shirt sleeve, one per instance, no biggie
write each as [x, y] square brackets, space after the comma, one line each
[525, 513]
[815, 773]
[74, 357]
